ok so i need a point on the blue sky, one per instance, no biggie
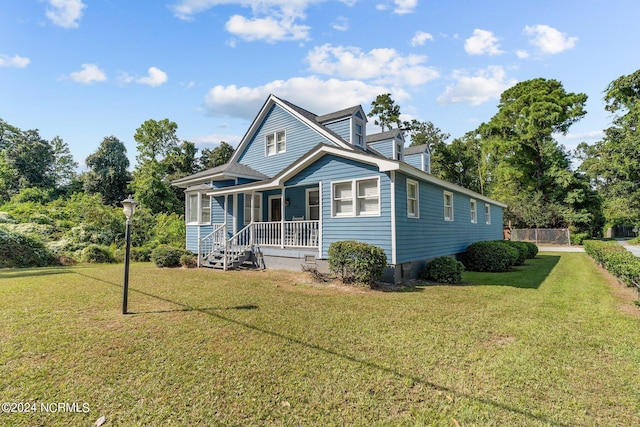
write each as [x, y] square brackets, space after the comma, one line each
[86, 69]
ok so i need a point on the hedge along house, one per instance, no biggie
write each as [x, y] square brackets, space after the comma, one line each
[298, 182]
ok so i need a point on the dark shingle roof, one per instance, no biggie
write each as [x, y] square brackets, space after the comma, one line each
[230, 168]
[382, 136]
[347, 112]
[416, 149]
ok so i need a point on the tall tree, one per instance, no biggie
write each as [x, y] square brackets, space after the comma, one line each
[613, 164]
[64, 167]
[530, 166]
[108, 173]
[210, 158]
[31, 158]
[385, 111]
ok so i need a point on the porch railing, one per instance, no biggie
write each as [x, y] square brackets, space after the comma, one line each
[209, 243]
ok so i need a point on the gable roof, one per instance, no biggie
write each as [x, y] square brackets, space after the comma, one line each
[347, 112]
[228, 170]
[384, 136]
[303, 115]
[416, 149]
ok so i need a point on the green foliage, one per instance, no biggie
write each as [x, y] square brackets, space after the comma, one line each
[615, 259]
[189, 260]
[18, 250]
[533, 249]
[167, 256]
[578, 238]
[32, 194]
[385, 111]
[356, 262]
[97, 254]
[522, 248]
[490, 256]
[142, 253]
[210, 158]
[108, 173]
[444, 270]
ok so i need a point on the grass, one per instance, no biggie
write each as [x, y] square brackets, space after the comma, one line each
[547, 344]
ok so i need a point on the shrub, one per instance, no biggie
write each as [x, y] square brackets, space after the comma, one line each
[533, 249]
[522, 248]
[188, 260]
[18, 250]
[490, 256]
[356, 261]
[616, 260]
[443, 270]
[167, 256]
[142, 253]
[578, 238]
[97, 254]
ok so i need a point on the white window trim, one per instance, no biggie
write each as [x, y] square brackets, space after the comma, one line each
[473, 211]
[487, 213]
[416, 214]
[270, 210]
[275, 143]
[308, 206]
[198, 220]
[354, 134]
[445, 194]
[398, 154]
[354, 198]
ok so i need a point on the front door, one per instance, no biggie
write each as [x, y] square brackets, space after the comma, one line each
[275, 208]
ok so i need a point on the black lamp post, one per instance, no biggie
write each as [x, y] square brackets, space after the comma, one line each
[128, 207]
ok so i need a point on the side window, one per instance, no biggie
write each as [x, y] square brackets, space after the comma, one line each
[275, 143]
[205, 209]
[474, 212]
[413, 208]
[487, 213]
[448, 206]
[192, 208]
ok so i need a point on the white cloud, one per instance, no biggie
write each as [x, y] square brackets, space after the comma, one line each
[549, 40]
[90, 73]
[213, 140]
[341, 24]
[486, 85]
[405, 6]
[16, 61]
[382, 65]
[522, 54]
[267, 29]
[155, 77]
[420, 38]
[125, 78]
[482, 42]
[313, 93]
[65, 13]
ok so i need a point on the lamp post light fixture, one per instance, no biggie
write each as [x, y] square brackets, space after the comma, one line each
[129, 208]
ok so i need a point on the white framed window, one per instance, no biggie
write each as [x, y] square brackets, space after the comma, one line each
[358, 197]
[487, 213]
[413, 207]
[276, 143]
[257, 208]
[473, 211]
[205, 209]
[448, 206]
[358, 133]
[198, 209]
[399, 151]
[313, 204]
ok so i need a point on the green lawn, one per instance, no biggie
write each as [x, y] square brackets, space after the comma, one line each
[547, 344]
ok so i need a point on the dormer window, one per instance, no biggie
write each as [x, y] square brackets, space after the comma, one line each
[358, 137]
[399, 151]
[276, 143]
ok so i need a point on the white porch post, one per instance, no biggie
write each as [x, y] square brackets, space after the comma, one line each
[252, 217]
[226, 240]
[282, 199]
[199, 254]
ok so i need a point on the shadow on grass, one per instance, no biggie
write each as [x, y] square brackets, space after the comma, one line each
[13, 273]
[217, 313]
[528, 276]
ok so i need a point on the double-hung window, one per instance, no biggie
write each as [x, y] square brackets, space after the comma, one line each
[313, 204]
[448, 206]
[358, 197]
[276, 142]
[473, 211]
[198, 209]
[487, 213]
[257, 208]
[413, 208]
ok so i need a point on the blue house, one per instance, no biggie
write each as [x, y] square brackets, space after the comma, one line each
[298, 182]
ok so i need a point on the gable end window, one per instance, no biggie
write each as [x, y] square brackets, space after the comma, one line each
[487, 213]
[413, 207]
[358, 197]
[358, 137]
[276, 143]
[448, 206]
[473, 211]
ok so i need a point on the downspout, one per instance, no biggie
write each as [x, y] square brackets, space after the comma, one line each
[282, 199]
[226, 239]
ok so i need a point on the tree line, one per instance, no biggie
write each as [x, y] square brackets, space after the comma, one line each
[514, 158]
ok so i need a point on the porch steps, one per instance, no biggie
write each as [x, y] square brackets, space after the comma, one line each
[237, 257]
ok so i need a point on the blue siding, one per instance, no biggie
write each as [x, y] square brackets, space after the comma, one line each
[299, 139]
[375, 230]
[414, 160]
[384, 147]
[192, 236]
[342, 128]
[430, 235]
[224, 183]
